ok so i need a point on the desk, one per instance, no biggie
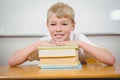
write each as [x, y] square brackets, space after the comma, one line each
[33, 72]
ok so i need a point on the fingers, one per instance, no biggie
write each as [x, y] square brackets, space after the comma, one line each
[63, 43]
[57, 43]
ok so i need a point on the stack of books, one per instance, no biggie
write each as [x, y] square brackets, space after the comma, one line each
[59, 57]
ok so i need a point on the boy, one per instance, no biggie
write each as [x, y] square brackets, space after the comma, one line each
[60, 24]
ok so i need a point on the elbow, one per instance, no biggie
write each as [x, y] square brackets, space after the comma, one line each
[14, 62]
[112, 61]
[11, 63]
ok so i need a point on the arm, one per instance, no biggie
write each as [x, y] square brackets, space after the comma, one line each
[101, 54]
[22, 55]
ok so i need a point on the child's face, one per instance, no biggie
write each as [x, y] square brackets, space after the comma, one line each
[60, 28]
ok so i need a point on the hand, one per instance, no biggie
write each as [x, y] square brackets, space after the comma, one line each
[66, 42]
[46, 43]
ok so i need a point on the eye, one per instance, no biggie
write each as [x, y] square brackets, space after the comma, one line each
[52, 24]
[64, 24]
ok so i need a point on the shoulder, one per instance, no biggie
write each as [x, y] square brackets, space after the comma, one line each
[45, 38]
[81, 37]
[77, 36]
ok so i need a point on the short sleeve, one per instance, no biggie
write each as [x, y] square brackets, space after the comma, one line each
[83, 38]
[45, 39]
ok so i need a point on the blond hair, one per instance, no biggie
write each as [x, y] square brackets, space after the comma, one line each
[61, 10]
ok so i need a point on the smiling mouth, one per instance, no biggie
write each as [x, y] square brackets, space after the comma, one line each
[59, 35]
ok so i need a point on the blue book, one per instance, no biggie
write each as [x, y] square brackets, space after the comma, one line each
[61, 67]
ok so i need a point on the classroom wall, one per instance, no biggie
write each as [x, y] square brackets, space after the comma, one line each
[28, 17]
[23, 21]
[8, 45]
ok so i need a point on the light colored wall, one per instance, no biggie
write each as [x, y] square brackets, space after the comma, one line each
[17, 16]
[8, 45]
[28, 17]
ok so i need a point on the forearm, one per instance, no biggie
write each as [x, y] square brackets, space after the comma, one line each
[21, 56]
[101, 54]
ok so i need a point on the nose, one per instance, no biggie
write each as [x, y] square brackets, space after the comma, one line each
[58, 28]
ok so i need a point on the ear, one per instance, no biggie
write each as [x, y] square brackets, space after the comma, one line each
[73, 26]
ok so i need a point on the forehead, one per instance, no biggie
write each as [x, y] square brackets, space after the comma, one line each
[54, 17]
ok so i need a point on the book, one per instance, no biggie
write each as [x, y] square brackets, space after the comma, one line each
[59, 56]
[57, 53]
[60, 61]
[52, 51]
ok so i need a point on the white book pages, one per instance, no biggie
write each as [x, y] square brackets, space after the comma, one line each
[58, 53]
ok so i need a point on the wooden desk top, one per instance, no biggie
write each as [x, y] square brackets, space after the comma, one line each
[33, 72]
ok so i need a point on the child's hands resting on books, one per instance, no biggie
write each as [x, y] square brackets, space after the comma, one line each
[66, 42]
[46, 43]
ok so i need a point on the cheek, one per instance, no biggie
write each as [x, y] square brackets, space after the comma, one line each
[67, 30]
[50, 29]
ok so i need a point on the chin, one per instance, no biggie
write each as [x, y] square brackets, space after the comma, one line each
[59, 40]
